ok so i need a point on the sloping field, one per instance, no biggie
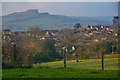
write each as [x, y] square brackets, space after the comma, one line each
[90, 68]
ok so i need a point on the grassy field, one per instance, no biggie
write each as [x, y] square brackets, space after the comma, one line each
[89, 68]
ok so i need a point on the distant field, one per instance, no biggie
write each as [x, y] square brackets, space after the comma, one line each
[109, 64]
[90, 68]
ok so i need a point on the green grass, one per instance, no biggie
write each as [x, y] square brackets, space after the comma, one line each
[109, 64]
[90, 68]
[46, 72]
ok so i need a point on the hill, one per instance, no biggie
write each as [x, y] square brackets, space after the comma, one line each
[30, 18]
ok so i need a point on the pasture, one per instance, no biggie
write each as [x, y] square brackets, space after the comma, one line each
[88, 68]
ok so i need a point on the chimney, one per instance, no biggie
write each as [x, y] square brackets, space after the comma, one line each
[119, 13]
[119, 8]
[116, 20]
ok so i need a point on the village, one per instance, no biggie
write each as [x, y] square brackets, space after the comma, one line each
[90, 34]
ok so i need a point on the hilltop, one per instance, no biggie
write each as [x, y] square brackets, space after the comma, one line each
[32, 17]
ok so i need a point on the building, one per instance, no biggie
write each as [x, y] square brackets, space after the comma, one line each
[7, 31]
[119, 9]
[119, 13]
[116, 20]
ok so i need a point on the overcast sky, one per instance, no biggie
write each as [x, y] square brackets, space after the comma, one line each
[64, 8]
[60, 0]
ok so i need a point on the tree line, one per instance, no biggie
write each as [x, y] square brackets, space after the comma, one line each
[27, 50]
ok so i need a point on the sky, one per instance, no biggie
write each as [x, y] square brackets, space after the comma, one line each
[90, 9]
[59, 0]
